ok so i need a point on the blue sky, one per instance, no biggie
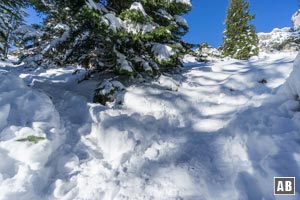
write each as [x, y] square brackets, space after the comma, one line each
[33, 17]
[207, 17]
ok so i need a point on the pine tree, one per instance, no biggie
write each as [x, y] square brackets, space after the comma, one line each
[10, 18]
[240, 39]
[126, 37]
[118, 38]
[162, 28]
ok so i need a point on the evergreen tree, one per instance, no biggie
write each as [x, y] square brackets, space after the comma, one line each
[11, 14]
[124, 36]
[118, 38]
[240, 40]
[28, 36]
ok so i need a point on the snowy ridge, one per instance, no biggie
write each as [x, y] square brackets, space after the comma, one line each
[296, 20]
[279, 40]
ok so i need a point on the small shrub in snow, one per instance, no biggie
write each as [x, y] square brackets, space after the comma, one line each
[31, 138]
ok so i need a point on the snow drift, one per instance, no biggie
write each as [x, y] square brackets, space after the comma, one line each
[25, 114]
[292, 86]
[213, 132]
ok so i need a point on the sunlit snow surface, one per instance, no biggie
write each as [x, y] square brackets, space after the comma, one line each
[217, 131]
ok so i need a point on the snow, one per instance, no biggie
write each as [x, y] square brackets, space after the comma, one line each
[291, 89]
[138, 28]
[28, 32]
[269, 42]
[281, 39]
[186, 2]
[296, 20]
[162, 52]
[108, 87]
[165, 14]
[138, 6]
[92, 5]
[25, 112]
[213, 132]
[60, 39]
[180, 20]
[113, 22]
[124, 65]
[168, 83]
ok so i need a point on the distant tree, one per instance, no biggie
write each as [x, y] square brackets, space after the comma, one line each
[240, 39]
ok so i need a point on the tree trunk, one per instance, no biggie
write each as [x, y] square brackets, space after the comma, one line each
[6, 44]
[8, 36]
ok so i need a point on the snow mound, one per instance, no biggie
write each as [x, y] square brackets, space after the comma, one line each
[291, 89]
[205, 141]
[29, 127]
[168, 82]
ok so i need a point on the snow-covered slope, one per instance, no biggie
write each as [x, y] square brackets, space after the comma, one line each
[219, 131]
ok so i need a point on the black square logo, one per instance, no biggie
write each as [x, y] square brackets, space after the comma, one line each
[284, 185]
